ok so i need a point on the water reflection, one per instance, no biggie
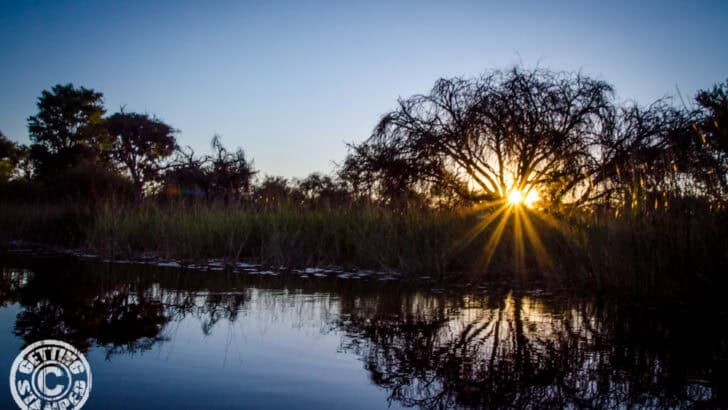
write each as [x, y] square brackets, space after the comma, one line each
[497, 349]
[516, 350]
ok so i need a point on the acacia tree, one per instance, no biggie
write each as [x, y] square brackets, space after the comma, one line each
[505, 130]
[559, 134]
[140, 143]
[187, 174]
[222, 176]
[67, 129]
[230, 173]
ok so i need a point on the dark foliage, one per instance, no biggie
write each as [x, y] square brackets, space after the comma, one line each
[230, 173]
[224, 176]
[274, 191]
[324, 191]
[67, 130]
[139, 144]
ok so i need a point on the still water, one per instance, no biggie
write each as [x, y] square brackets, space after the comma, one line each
[174, 339]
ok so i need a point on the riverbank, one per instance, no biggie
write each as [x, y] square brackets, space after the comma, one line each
[677, 249]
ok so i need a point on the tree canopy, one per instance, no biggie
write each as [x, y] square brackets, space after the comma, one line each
[140, 143]
[68, 128]
[560, 135]
[225, 175]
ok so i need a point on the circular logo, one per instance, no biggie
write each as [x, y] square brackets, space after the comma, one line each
[50, 374]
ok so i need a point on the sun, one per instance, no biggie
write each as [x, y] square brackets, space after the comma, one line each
[517, 198]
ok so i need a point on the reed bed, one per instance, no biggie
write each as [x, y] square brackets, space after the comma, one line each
[681, 248]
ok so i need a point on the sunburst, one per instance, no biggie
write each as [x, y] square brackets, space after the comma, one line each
[518, 209]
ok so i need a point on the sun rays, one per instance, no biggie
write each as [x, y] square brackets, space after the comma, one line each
[514, 220]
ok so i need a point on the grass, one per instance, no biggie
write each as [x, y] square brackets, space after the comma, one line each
[409, 242]
[663, 251]
[682, 247]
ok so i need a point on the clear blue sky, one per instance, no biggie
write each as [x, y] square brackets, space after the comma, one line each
[290, 82]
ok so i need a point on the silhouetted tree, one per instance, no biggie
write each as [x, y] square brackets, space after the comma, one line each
[139, 144]
[383, 172]
[483, 137]
[187, 175]
[231, 174]
[222, 176]
[659, 153]
[560, 134]
[67, 130]
[639, 155]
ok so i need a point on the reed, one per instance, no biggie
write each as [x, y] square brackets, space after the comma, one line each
[637, 251]
[413, 241]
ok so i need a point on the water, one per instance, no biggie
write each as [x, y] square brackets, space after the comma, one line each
[169, 339]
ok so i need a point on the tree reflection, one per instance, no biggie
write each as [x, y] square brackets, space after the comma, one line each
[122, 317]
[122, 312]
[507, 350]
[499, 349]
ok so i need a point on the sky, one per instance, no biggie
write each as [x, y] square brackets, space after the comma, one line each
[293, 82]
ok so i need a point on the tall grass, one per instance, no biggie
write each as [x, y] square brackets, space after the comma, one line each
[680, 247]
[414, 241]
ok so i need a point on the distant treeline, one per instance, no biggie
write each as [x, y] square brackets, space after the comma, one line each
[79, 154]
[468, 141]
